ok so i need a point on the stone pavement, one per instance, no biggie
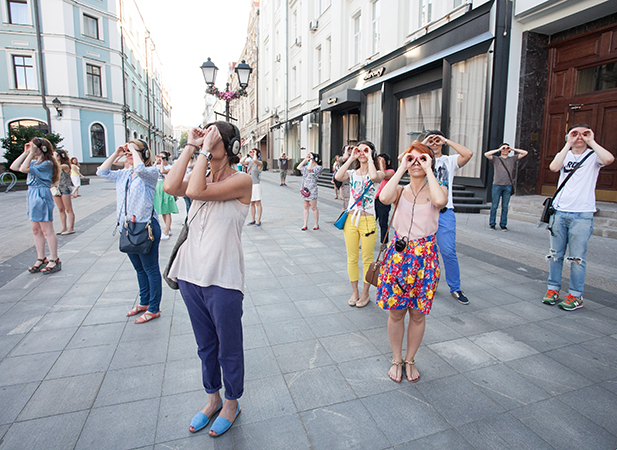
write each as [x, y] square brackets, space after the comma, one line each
[503, 372]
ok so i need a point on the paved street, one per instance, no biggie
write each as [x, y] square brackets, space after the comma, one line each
[503, 372]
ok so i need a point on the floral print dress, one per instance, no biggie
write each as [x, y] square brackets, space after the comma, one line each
[309, 181]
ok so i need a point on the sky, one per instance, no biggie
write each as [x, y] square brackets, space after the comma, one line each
[186, 33]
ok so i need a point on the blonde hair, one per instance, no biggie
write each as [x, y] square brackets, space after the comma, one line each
[141, 147]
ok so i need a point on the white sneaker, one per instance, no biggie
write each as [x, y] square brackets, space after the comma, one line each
[164, 237]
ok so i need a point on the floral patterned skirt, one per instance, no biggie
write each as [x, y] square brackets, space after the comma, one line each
[409, 279]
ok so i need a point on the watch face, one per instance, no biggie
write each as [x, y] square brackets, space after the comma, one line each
[208, 155]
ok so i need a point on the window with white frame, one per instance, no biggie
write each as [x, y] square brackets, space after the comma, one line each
[93, 80]
[294, 80]
[318, 65]
[18, 12]
[97, 140]
[375, 17]
[457, 3]
[91, 26]
[329, 57]
[23, 70]
[294, 25]
[426, 12]
[356, 39]
[321, 6]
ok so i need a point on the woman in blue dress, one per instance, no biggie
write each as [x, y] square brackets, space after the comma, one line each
[38, 162]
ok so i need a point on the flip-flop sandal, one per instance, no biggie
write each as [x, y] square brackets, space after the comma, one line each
[398, 364]
[136, 310]
[410, 363]
[147, 317]
[222, 425]
[67, 232]
[200, 420]
[37, 268]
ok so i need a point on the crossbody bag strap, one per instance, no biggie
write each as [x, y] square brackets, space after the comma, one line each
[570, 174]
[507, 170]
[383, 244]
[126, 194]
[370, 183]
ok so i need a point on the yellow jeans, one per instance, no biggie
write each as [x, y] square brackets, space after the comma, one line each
[353, 235]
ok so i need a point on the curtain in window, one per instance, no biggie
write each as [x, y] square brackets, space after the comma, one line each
[326, 134]
[467, 107]
[374, 119]
[417, 114]
[18, 12]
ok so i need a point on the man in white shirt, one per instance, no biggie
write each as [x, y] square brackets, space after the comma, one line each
[445, 166]
[572, 224]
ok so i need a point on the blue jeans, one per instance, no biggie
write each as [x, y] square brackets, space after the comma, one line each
[446, 241]
[573, 230]
[149, 274]
[503, 193]
[216, 317]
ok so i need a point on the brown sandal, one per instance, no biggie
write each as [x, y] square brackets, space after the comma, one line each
[56, 268]
[147, 317]
[37, 267]
[397, 364]
[138, 309]
[408, 373]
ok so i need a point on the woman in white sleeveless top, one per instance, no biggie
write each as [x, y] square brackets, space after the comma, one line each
[209, 266]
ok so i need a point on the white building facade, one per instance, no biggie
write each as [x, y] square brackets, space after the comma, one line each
[87, 70]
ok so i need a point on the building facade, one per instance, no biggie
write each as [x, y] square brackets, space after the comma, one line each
[86, 70]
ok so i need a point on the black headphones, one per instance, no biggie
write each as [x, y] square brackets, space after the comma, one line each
[40, 144]
[233, 148]
[146, 150]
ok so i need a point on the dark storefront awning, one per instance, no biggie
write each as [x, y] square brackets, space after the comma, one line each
[342, 100]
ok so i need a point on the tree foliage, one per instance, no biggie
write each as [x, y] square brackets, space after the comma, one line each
[183, 139]
[18, 137]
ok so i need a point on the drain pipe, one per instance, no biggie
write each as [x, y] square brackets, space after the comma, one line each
[39, 42]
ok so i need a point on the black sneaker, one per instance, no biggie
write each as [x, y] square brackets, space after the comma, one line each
[492, 227]
[460, 297]
[504, 228]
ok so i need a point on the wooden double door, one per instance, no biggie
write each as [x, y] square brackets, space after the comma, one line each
[582, 88]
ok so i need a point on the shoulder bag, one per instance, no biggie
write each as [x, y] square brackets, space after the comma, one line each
[135, 237]
[548, 210]
[372, 274]
[340, 222]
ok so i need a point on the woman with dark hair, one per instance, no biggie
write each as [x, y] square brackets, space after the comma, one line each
[311, 168]
[360, 226]
[384, 163]
[410, 268]
[135, 187]
[43, 170]
[63, 191]
[337, 184]
[209, 265]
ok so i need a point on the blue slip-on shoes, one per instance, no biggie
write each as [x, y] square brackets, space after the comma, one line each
[222, 425]
[200, 420]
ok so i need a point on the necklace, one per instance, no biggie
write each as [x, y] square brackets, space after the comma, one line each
[413, 207]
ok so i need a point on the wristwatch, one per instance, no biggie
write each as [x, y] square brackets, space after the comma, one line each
[207, 154]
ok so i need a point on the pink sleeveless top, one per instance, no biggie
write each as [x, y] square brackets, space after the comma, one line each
[425, 219]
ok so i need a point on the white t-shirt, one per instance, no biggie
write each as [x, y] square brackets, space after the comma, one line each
[163, 167]
[445, 166]
[579, 193]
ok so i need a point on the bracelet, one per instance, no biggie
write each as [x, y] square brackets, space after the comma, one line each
[192, 145]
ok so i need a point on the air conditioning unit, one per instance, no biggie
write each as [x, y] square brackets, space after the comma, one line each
[313, 25]
[298, 41]
[277, 58]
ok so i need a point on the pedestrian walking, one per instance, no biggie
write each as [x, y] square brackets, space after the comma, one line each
[384, 163]
[135, 188]
[76, 177]
[284, 165]
[310, 168]
[43, 170]
[410, 268]
[209, 265]
[253, 166]
[445, 167]
[361, 226]
[571, 225]
[337, 184]
[164, 204]
[62, 194]
[503, 181]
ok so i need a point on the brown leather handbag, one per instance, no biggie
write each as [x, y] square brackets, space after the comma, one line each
[372, 274]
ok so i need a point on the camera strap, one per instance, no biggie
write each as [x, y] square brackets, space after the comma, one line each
[383, 244]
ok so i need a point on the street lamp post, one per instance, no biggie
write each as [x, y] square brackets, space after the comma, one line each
[243, 71]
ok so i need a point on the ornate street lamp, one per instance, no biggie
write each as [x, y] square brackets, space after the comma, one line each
[243, 71]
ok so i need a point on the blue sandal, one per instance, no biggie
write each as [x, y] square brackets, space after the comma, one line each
[200, 420]
[222, 425]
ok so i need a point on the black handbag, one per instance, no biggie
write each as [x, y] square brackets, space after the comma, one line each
[548, 210]
[135, 237]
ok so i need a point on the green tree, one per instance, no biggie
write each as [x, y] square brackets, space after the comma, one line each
[183, 140]
[18, 137]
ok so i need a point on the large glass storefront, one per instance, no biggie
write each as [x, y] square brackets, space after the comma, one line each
[418, 114]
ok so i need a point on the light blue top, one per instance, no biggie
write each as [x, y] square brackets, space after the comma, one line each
[140, 191]
[40, 200]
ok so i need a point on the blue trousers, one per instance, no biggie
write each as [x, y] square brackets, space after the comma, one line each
[572, 230]
[446, 241]
[149, 274]
[216, 317]
[503, 193]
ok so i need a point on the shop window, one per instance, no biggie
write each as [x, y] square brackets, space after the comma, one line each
[418, 114]
[41, 126]
[93, 80]
[18, 12]
[23, 70]
[598, 78]
[374, 119]
[91, 26]
[467, 109]
[97, 140]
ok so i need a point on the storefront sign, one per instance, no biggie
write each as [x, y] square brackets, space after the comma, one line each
[374, 73]
[332, 100]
